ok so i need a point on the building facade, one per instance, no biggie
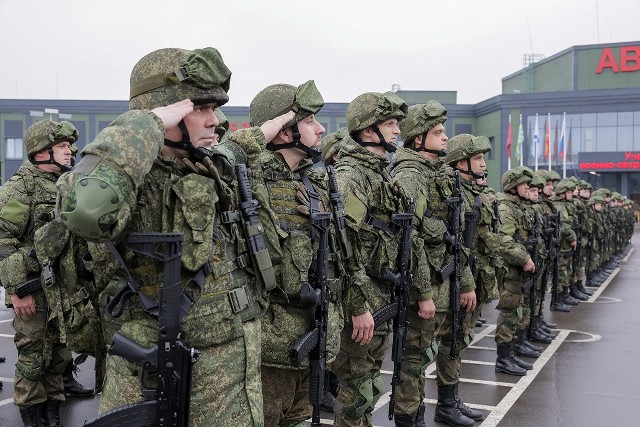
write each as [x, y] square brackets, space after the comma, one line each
[592, 92]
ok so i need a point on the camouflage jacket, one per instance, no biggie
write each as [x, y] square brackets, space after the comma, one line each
[429, 185]
[369, 196]
[513, 233]
[153, 195]
[567, 233]
[27, 201]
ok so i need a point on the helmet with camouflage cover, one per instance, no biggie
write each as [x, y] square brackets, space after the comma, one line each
[537, 181]
[516, 176]
[565, 185]
[166, 76]
[584, 185]
[331, 145]
[463, 147]
[548, 175]
[421, 118]
[596, 199]
[223, 125]
[371, 108]
[278, 99]
[45, 134]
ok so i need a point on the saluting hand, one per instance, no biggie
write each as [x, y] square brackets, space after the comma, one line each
[172, 114]
[270, 128]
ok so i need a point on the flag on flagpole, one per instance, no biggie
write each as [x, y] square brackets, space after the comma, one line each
[564, 152]
[536, 141]
[547, 136]
[554, 144]
[569, 142]
[509, 139]
[561, 144]
[519, 142]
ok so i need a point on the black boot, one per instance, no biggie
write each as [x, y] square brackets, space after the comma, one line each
[447, 408]
[32, 415]
[482, 319]
[72, 388]
[470, 413]
[574, 292]
[51, 416]
[521, 349]
[532, 346]
[549, 325]
[584, 290]
[567, 298]
[412, 420]
[538, 336]
[420, 416]
[505, 364]
[560, 306]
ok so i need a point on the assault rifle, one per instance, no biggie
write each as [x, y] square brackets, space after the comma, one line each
[548, 231]
[338, 214]
[530, 285]
[495, 221]
[318, 295]
[471, 220]
[401, 280]
[577, 227]
[168, 403]
[454, 240]
[589, 257]
[254, 231]
[555, 276]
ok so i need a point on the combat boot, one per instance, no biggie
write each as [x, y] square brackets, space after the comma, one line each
[72, 388]
[536, 335]
[532, 346]
[447, 408]
[523, 350]
[549, 325]
[560, 306]
[524, 365]
[469, 412]
[32, 414]
[505, 364]
[584, 290]
[567, 298]
[574, 292]
[51, 414]
[404, 420]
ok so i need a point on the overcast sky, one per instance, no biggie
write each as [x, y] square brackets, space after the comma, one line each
[85, 49]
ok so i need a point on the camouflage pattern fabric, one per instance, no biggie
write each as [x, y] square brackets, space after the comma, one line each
[286, 396]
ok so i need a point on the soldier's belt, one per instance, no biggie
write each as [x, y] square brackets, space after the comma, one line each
[28, 287]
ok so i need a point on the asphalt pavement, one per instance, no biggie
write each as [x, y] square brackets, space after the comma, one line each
[588, 376]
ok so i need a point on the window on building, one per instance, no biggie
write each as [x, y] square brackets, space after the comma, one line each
[491, 154]
[14, 149]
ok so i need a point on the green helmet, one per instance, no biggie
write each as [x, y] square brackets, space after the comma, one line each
[596, 199]
[565, 185]
[373, 107]
[421, 118]
[46, 133]
[584, 185]
[278, 99]
[166, 76]
[223, 126]
[331, 145]
[616, 196]
[537, 181]
[465, 146]
[548, 175]
[516, 176]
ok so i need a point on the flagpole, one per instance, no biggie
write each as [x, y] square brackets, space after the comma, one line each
[536, 139]
[521, 143]
[564, 148]
[549, 128]
[509, 136]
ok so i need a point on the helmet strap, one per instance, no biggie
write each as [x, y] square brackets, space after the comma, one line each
[312, 152]
[51, 161]
[439, 153]
[388, 147]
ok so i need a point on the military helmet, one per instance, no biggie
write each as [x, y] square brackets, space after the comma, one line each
[278, 99]
[565, 185]
[584, 185]
[373, 107]
[537, 181]
[548, 175]
[596, 199]
[223, 125]
[331, 145]
[616, 196]
[46, 133]
[421, 118]
[465, 146]
[516, 176]
[166, 76]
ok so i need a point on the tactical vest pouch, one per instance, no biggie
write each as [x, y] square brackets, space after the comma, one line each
[196, 196]
[297, 256]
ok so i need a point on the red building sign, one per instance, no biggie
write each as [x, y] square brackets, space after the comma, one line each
[629, 60]
[609, 161]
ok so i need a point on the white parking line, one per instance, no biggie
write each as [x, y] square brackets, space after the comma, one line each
[628, 255]
[603, 286]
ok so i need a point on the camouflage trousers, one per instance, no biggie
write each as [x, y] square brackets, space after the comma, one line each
[510, 306]
[565, 268]
[41, 360]
[226, 389]
[358, 368]
[285, 394]
[431, 341]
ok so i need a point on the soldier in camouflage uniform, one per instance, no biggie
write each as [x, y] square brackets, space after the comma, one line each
[587, 222]
[596, 204]
[563, 201]
[294, 189]
[515, 229]
[139, 176]
[582, 227]
[370, 199]
[418, 167]
[27, 201]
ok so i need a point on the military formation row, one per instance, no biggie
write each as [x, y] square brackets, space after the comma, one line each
[228, 278]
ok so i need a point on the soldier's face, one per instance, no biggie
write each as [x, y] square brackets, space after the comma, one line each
[436, 138]
[201, 124]
[569, 195]
[533, 194]
[389, 129]
[61, 154]
[598, 207]
[585, 193]
[548, 188]
[310, 131]
[523, 190]
[478, 165]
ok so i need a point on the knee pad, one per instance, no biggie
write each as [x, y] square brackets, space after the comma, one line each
[60, 358]
[422, 360]
[378, 388]
[359, 395]
[30, 365]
